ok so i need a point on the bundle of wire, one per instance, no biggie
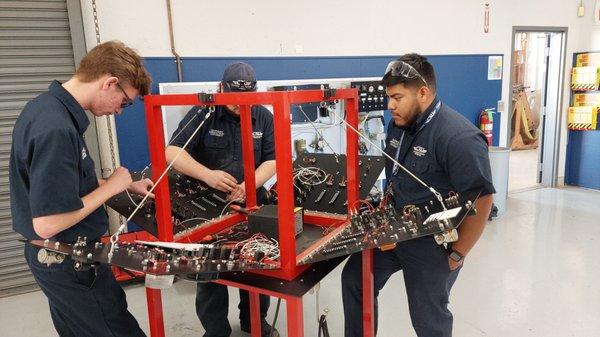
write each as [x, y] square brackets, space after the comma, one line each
[357, 210]
[259, 248]
[311, 176]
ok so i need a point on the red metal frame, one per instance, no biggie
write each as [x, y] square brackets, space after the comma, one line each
[289, 269]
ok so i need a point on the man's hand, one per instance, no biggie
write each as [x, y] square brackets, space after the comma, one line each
[141, 187]
[119, 180]
[220, 180]
[238, 193]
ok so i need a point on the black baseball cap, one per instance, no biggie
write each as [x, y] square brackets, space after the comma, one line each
[239, 76]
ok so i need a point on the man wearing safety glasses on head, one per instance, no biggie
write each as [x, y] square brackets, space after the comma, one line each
[448, 153]
[214, 155]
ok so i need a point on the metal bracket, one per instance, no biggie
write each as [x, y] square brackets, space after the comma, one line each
[328, 92]
[206, 98]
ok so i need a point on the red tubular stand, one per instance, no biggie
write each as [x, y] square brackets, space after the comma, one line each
[289, 269]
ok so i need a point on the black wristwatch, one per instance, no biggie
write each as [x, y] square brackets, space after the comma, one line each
[456, 256]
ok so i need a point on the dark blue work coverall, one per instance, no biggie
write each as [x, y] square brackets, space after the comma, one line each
[218, 146]
[449, 153]
[50, 171]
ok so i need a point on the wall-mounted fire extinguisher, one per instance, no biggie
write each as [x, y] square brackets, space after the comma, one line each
[486, 124]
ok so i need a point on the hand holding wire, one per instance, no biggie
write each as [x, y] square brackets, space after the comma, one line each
[220, 180]
[119, 180]
[238, 193]
[141, 187]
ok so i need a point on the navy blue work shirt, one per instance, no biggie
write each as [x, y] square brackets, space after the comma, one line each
[444, 150]
[50, 167]
[218, 144]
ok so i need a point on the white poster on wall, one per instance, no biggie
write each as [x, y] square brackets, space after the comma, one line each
[494, 68]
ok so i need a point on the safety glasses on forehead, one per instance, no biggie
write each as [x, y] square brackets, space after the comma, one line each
[403, 69]
[241, 85]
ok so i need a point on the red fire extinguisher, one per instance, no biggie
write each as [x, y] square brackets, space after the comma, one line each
[486, 124]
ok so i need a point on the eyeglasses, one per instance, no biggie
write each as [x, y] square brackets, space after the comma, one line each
[128, 101]
[240, 85]
[403, 69]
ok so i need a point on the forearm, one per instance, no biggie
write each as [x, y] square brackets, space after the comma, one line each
[185, 163]
[264, 172]
[472, 227]
[50, 225]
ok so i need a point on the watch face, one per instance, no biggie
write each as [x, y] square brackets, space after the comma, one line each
[455, 256]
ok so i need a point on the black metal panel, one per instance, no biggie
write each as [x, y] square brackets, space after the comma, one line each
[310, 109]
[330, 196]
[192, 203]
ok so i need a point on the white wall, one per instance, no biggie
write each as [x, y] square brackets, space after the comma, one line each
[336, 28]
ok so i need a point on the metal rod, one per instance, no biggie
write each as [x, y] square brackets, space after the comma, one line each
[172, 41]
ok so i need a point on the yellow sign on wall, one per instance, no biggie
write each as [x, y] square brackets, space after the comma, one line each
[587, 99]
[583, 117]
[588, 59]
[585, 78]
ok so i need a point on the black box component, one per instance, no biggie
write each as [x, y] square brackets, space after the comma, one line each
[265, 221]
[310, 109]
[371, 96]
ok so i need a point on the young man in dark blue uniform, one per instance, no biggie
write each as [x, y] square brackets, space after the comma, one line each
[448, 153]
[214, 156]
[55, 193]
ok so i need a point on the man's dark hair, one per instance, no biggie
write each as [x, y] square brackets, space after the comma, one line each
[421, 65]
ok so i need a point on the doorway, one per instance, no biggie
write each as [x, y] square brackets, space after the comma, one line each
[538, 63]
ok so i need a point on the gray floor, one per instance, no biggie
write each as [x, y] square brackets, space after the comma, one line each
[533, 273]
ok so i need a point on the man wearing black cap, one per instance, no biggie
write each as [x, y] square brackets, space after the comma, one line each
[214, 156]
[450, 154]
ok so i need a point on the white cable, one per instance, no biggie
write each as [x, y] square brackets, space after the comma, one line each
[431, 189]
[184, 221]
[259, 243]
[115, 237]
[319, 133]
[143, 172]
[130, 198]
[307, 175]
[229, 203]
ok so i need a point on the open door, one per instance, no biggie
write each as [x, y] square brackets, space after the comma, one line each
[537, 75]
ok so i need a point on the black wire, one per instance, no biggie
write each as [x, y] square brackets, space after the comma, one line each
[275, 318]
[323, 326]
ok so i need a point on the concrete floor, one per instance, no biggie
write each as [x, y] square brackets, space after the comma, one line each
[533, 273]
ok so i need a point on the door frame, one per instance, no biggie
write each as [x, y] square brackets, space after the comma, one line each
[548, 179]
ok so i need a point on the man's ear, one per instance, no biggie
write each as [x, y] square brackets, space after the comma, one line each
[423, 93]
[109, 80]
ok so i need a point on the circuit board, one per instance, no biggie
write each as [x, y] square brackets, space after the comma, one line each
[381, 226]
[169, 258]
[192, 203]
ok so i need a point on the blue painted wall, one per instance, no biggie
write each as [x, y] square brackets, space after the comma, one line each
[583, 159]
[461, 79]
[583, 156]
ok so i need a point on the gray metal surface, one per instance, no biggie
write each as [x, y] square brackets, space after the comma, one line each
[35, 48]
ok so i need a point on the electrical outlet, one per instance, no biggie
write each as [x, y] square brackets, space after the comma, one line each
[501, 106]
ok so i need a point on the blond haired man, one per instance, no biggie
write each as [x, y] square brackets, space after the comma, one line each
[55, 193]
